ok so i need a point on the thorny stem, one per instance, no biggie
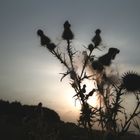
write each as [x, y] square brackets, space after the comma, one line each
[134, 114]
[85, 63]
[78, 81]
[116, 105]
[101, 116]
[70, 54]
[61, 60]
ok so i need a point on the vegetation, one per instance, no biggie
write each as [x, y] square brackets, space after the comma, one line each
[24, 122]
[108, 85]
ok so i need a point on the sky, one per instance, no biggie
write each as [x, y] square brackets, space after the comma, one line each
[29, 74]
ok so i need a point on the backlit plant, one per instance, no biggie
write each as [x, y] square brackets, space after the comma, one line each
[108, 85]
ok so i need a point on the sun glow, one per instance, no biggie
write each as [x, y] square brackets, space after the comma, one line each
[72, 109]
[93, 100]
[90, 84]
[62, 101]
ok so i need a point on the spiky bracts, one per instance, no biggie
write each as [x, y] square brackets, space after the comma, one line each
[131, 81]
[67, 33]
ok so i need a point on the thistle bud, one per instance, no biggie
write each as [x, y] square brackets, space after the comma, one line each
[67, 33]
[90, 47]
[97, 38]
[44, 40]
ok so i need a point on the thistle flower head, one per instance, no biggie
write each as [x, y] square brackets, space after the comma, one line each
[67, 33]
[131, 81]
[97, 38]
[44, 40]
[40, 32]
[98, 31]
[90, 47]
[51, 46]
[113, 52]
[67, 24]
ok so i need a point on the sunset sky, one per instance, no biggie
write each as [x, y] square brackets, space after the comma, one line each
[30, 74]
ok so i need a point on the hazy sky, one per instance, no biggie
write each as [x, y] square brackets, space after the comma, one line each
[28, 73]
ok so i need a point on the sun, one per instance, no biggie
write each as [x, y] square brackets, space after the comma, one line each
[92, 100]
[71, 106]
[90, 84]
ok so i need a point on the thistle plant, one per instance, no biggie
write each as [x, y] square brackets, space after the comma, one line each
[109, 86]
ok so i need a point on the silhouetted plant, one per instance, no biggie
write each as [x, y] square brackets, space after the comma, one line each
[109, 86]
[130, 81]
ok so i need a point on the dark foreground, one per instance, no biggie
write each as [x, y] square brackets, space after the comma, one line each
[22, 122]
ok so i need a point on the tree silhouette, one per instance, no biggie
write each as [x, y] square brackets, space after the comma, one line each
[109, 86]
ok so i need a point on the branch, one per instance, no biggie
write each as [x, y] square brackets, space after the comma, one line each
[132, 116]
